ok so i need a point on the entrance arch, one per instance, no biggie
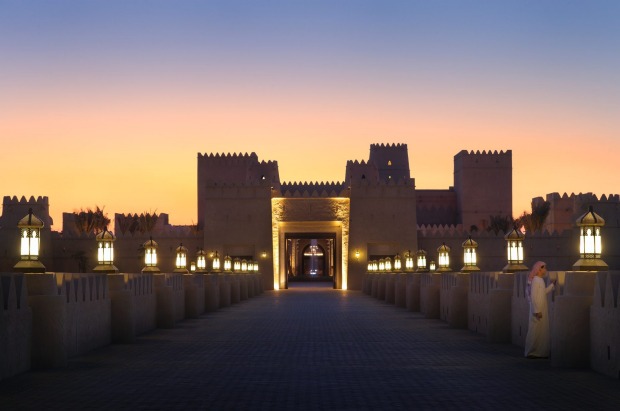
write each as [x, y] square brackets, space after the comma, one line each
[310, 218]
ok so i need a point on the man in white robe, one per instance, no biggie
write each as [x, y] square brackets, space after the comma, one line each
[538, 339]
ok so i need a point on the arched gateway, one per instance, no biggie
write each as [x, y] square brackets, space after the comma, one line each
[244, 211]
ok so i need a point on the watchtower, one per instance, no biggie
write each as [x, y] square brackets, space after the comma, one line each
[483, 186]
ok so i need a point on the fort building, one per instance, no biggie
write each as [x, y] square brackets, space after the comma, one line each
[326, 230]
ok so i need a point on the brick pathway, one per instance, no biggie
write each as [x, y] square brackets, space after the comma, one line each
[311, 348]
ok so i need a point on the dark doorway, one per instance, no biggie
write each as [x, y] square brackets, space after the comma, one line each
[311, 257]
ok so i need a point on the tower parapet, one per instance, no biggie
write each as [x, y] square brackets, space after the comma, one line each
[391, 161]
[14, 209]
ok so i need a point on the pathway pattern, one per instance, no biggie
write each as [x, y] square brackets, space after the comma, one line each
[310, 348]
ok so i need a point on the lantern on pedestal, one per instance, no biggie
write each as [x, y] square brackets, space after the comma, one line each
[30, 244]
[397, 263]
[227, 264]
[105, 252]
[590, 243]
[215, 264]
[201, 261]
[408, 261]
[470, 259]
[443, 253]
[514, 249]
[181, 259]
[421, 262]
[388, 264]
[150, 256]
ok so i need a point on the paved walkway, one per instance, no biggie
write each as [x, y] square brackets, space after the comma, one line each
[310, 348]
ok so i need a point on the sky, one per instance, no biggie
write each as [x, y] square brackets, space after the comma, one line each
[108, 103]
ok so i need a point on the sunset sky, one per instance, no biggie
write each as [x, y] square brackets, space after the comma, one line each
[107, 103]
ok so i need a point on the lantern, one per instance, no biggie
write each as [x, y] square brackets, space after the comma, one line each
[388, 264]
[443, 256]
[432, 265]
[150, 256]
[227, 263]
[30, 237]
[397, 263]
[470, 260]
[514, 249]
[201, 261]
[105, 252]
[421, 261]
[236, 264]
[216, 262]
[381, 264]
[181, 259]
[244, 265]
[409, 261]
[590, 242]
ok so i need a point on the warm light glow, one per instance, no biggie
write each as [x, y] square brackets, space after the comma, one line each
[422, 261]
[30, 244]
[150, 257]
[227, 263]
[192, 267]
[388, 264]
[409, 261]
[590, 245]
[236, 264]
[105, 253]
[432, 266]
[469, 256]
[201, 261]
[244, 265]
[381, 264]
[397, 262]
[357, 254]
[181, 259]
[515, 252]
[444, 260]
[443, 256]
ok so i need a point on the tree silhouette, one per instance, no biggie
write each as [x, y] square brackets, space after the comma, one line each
[89, 221]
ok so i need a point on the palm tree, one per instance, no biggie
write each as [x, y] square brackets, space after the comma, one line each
[89, 221]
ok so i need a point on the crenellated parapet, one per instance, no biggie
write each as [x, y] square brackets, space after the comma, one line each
[566, 208]
[313, 189]
[379, 146]
[15, 208]
[484, 157]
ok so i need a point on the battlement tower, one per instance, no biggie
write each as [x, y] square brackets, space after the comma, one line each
[483, 186]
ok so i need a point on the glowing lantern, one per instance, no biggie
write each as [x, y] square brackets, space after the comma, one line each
[30, 237]
[590, 242]
[181, 259]
[514, 249]
[397, 262]
[470, 259]
[216, 262]
[201, 261]
[150, 256]
[227, 263]
[408, 262]
[388, 264]
[421, 261]
[443, 252]
[105, 252]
